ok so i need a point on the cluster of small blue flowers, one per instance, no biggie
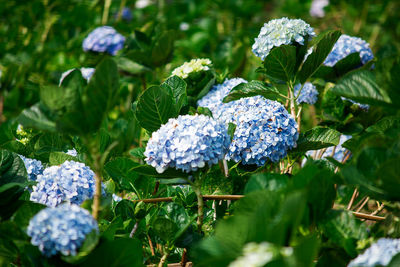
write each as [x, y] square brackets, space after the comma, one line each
[104, 39]
[279, 32]
[364, 107]
[264, 129]
[33, 167]
[61, 230]
[72, 152]
[187, 143]
[213, 100]
[87, 73]
[379, 254]
[347, 45]
[71, 181]
[308, 94]
[127, 14]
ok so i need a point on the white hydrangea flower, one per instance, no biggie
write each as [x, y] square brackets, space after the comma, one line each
[257, 255]
[194, 65]
[279, 32]
[317, 8]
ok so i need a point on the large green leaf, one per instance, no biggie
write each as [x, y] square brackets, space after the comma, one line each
[323, 46]
[37, 117]
[361, 86]
[252, 88]
[268, 181]
[317, 138]
[343, 66]
[131, 67]
[165, 228]
[280, 62]
[155, 106]
[177, 88]
[12, 168]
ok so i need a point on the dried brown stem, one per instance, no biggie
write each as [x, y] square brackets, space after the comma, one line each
[353, 197]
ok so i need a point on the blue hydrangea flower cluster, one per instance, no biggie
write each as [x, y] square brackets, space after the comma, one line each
[308, 95]
[279, 32]
[187, 143]
[213, 100]
[379, 254]
[33, 167]
[61, 230]
[104, 39]
[87, 73]
[264, 129]
[71, 181]
[347, 45]
[127, 14]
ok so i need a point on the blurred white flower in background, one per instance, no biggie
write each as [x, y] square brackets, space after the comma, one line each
[317, 8]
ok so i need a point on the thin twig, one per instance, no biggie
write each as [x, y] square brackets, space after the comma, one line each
[151, 245]
[378, 210]
[363, 204]
[368, 217]
[135, 227]
[184, 258]
[353, 197]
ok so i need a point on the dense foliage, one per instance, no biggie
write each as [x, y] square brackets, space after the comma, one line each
[222, 133]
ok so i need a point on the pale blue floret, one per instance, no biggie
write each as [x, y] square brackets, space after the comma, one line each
[104, 39]
[308, 94]
[61, 230]
[187, 143]
[71, 181]
[87, 73]
[347, 45]
[33, 167]
[279, 32]
[379, 254]
[264, 129]
[72, 152]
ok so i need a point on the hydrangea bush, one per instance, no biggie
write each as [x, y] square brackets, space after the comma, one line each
[61, 230]
[190, 164]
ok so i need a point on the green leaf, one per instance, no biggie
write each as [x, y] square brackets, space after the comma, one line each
[280, 62]
[131, 67]
[165, 228]
[163, 48]
[155, 106]
[177, 88]
[268, 181]
[12, 168]
[27, 210]
[125, 209]
[317, 138]
[252, 88]
[231, 129]
[37, 117]
[9, 195]
[343, 66]
[138, 152]
[57, 158]
[124, 252]
[361, 86]
[342, 228]
[323, 46]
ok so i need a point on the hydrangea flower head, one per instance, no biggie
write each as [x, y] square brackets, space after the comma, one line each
[264, 128]
[279, 32]
[61, 230]
[258, 255]
[379, 254]
[194, 65]
[317, 8]
[187, 143]
[71, 181]
[308, 94]
[33, 167]
[104, 39]
[87, 73]
[127, 14]
[347, 45]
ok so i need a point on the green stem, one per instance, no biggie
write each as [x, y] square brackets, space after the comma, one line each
[107, 4]
[200, 202]
[164, 257]
[121, 8]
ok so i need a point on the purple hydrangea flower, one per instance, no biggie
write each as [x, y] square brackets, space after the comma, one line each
[104, 39]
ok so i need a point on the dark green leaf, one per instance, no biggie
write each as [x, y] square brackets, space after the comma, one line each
[131, 67]
[361, 86]
[252, 88]
[317, 138]
[138, 152]
[177, 88]
[268, 181]
[323, 46]
[165, 229]
[37, 117]
[125, 209]
[12, 168]
[280, 62]
[155, 106]
[58, 158]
